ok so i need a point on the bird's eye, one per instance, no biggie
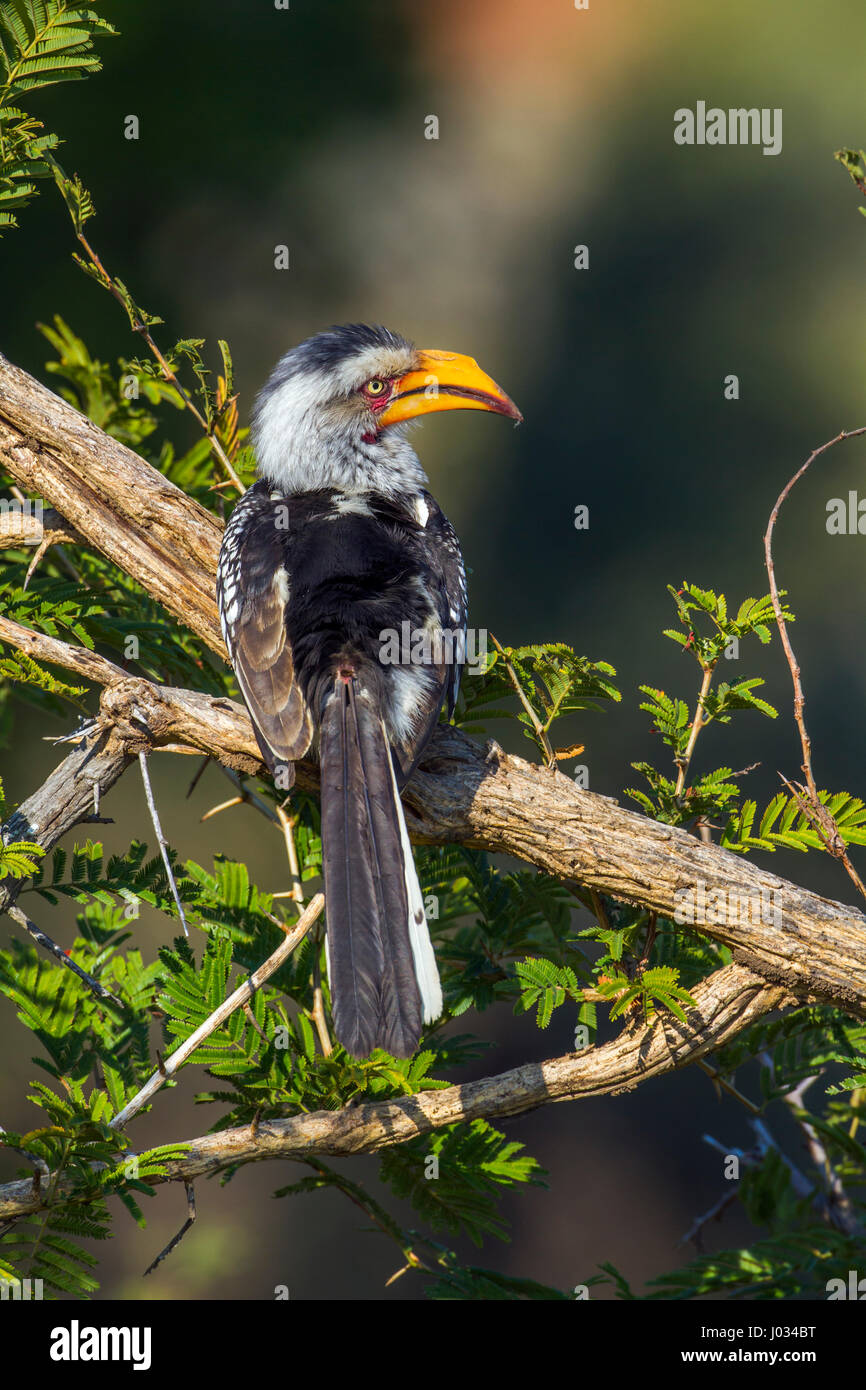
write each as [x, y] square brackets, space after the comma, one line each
[376, 387]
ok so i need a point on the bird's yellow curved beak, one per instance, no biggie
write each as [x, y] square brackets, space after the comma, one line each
[446, 381]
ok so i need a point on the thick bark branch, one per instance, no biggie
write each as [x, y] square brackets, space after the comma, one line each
[724, 1004]
[113, 499]
[814, 946]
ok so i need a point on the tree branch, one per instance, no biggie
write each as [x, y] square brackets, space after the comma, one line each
[114, 500]
[727, 1002]
[487, 800]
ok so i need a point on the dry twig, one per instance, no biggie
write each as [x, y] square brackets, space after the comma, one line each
[808, 798]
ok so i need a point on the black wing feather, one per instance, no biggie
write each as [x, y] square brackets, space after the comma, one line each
[253, 592]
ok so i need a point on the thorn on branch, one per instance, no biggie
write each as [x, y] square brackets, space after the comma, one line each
[195, 781]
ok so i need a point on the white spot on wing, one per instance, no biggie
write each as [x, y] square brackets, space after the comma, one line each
[281, 585]
[354, 503]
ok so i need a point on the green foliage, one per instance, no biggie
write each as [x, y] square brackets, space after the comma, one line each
[801, 1044]
[755, 616]
[110, 399]
[693, 955]
[798, 1264]
[855, 163]
[710, 633]
[188, 350]
[454, 1177]
[103, 609]
[125, 402]
[544, 986]
[500, 936]
[95, 1059]
[20, 858]
[484, 1285]
[785, 824]
[707, 796]
[20, 668]
[550, 681]
[207, 396]
[649, 991]
[42, 42]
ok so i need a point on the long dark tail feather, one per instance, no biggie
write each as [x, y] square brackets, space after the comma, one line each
[375, 996]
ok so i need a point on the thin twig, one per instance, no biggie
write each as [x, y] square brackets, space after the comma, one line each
[801, 1184]
[195, 781]
[251, 1020]
[540, 731]
[818, 813]
[176, 1240]
[296, 892]
[695, 1231]
[725, 1085]
[697, 725]
[825, 827]
[371, 1208]
[598, 909]
[250, 798]
[318, 1015]
[650, 940]
[42, 939]
[170, 376]
[163, 847]
[172, 1064]
[288, 824]
[42, 1173]
[223, 806]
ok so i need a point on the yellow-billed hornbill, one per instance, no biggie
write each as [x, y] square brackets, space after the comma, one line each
[336, 547]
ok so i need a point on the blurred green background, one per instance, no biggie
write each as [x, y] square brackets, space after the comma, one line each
[305, 127]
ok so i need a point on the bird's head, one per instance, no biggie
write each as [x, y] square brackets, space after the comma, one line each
[334, 411]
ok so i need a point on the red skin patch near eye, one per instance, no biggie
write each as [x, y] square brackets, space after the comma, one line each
[376, 404]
